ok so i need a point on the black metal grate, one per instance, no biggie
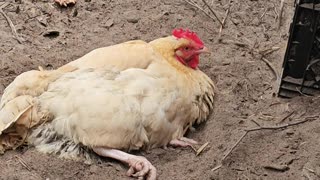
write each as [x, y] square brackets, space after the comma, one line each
[301, 66]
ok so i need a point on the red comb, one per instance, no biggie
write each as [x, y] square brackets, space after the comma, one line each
[180, 33]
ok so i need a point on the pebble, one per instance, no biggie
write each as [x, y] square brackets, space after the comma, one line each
[132, 17]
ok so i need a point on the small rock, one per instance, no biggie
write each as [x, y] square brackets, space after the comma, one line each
[132, 16]
[109, 23]
[236, 21]
[43, 20]
[94, 169]
[18, 10]
[285, 145]
[289, 132]
[179, 18]
[275, 167]
[51, 33]
[33, 12]
[75, 12]
[295, 146]
[133, 19]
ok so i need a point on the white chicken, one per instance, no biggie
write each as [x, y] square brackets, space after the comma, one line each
[130, 96]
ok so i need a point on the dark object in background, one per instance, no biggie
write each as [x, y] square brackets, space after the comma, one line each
[301, 67]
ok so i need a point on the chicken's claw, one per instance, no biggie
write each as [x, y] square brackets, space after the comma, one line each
[140, 167]
[183, 142]
[65, 2]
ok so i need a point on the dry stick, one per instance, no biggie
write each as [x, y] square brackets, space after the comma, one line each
[262, 53]
[13, 29]
[4, 5]
[269, 64]
[268, 51]
[264, 13]
[215, 15]
[283, 126]
[280, 13]
[230, 151]
[286, 117]
[275, 12]
[311, 170]
[198, 7]
[237, 43]
[23, 163]
[224, 20]
[305, 174]
[255, 122]
[258, 129]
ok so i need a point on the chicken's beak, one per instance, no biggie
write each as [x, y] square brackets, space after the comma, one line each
[203, 50]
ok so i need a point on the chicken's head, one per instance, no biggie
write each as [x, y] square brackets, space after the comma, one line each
[189, 48]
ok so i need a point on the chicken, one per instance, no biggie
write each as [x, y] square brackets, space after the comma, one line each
[130, 96]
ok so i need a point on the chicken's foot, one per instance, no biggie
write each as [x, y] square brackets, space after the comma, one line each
[140, 167]
[183, 142]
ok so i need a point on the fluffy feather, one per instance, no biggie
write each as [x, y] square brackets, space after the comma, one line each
[128, 96]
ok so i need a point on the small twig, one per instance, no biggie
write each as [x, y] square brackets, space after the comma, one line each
[238, 43]
[275, 167]
[286, 117]
[230, 151]
[265, 52]
[312, 171]
[215, 15]
[264, 13]
[5, 4]
[224, 20]
[305, 174]
[305, 171]
[282, 126]
[255, 122]
[199, 151]
[13, 29]
[198, 7]
[23, 163]
[301, 93]
[307, 119]
[234, 146]
[280, 13]
[268, 51]
[271, 67]
[262, 53]
[194, 149]
[276, 15]
[217, 167]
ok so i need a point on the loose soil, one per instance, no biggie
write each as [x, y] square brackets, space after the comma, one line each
[246, 86]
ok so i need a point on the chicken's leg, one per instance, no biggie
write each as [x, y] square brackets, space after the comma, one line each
[139, 166]
[183, 142]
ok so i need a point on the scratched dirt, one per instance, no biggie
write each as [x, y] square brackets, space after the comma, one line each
[246, 87]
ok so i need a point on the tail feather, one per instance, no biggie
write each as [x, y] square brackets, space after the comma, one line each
[17, 117]
[46, 140]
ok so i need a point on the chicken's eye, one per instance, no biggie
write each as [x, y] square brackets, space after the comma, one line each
[186, 48]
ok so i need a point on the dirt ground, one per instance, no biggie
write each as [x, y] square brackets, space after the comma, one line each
[246, 87]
